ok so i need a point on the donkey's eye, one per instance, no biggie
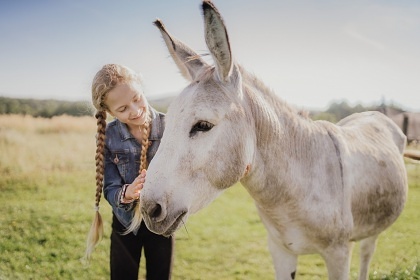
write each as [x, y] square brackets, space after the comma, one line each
[201, 126]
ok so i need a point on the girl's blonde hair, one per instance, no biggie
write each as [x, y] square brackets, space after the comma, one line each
[104, 81]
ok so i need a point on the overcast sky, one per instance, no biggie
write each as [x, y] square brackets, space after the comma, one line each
[309, 52]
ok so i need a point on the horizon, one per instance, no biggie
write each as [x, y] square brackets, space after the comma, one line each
[310, 54]
[159, 98]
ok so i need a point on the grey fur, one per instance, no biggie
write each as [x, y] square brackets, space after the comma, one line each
[317, 186]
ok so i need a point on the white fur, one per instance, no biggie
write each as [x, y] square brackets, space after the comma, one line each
[317, 186]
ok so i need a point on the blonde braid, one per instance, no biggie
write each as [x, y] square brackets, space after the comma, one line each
[136, 221]
[144, 146]
[96, 230]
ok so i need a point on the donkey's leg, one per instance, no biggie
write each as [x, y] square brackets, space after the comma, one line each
[338, 259]
[367, 248]
[284, 262]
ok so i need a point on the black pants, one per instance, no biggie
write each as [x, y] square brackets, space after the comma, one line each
[126, 252]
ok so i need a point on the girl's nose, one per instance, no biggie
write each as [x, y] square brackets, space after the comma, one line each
[134, 110]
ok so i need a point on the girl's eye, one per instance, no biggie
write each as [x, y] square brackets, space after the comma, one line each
[203, 126]
[122, 110]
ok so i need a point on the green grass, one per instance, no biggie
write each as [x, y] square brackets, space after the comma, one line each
[47, 197]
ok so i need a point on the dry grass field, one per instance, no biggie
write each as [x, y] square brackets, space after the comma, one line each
[47, 195]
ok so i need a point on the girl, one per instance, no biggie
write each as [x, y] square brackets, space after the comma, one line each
[125, 146]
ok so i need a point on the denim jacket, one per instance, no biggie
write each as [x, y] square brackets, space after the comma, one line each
[122, 161]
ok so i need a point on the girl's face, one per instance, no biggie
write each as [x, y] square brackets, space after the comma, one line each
[127, 103]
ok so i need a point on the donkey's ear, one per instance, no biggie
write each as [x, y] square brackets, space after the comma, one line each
[217, 40]
[187, 60]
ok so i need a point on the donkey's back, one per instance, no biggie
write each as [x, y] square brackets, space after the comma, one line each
[374, 125]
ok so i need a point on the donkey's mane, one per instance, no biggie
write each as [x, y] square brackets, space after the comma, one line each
[269, 95]
[254, 85]
[271, 113]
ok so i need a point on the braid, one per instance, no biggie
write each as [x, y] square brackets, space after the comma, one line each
[144, 146]
[96, 230]
[99, 158]
[136, 221]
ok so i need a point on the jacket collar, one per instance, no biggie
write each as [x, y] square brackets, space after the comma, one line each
[155, 132]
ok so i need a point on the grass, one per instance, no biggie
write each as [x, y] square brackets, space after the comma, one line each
[47, 197]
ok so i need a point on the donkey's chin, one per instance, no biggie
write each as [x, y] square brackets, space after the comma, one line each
[176, 224]
[168, 226]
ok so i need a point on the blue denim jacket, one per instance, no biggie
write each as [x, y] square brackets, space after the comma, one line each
[122, 161]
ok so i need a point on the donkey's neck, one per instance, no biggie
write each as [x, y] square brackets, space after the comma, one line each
[283, 138]
[276, 122]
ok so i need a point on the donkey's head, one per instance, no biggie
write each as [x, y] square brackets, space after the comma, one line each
[207, 145]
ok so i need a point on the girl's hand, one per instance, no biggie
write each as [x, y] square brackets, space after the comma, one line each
[133, 190]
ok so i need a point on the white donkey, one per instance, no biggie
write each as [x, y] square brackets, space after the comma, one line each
[317, 186]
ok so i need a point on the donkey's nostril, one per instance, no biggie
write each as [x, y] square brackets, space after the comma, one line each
[155, 211]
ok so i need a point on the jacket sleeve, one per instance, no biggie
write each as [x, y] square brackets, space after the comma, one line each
[113, 184]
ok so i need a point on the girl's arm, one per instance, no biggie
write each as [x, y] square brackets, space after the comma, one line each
[113, 184]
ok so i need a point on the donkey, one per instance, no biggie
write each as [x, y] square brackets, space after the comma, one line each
[318, 186]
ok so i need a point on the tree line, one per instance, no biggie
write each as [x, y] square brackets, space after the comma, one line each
[44, 108]
[50, 108]
[339, 110]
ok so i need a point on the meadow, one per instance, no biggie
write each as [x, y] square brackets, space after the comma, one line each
[47, 195]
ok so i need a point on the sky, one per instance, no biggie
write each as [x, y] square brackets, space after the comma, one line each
[310, 52]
